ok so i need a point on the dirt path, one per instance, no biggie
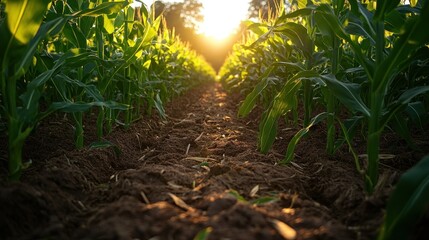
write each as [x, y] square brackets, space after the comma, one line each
[199, 170]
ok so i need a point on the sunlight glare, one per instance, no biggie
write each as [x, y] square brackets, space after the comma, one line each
[222, 17]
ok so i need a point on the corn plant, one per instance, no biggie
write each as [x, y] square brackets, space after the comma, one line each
[53, 55]
[353, 56]
[22, 32]
[408, 203]
[19, 40]
[381, 71]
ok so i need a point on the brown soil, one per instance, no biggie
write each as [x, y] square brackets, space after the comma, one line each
[174, 179]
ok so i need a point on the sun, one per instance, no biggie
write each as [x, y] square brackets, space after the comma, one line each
[222, 17]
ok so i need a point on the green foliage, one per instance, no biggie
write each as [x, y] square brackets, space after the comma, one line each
[408, 203]
[338, 56]
[52, 56]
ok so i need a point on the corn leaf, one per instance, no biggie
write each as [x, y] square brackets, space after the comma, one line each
[417, 113]
[384, 7]
[159, 106]
[298, 35]
[24, 18]
[108, 24]
[406, 45]
[248, 104]
[301, 133]
[402, 102]
[400, 126]
[329, 23]
[298, 13]
[104, 8]
[347, 93]
[204, 234]
[73, 107]
[47, 29]
[74, 35]
[283, 102]
[408, 202]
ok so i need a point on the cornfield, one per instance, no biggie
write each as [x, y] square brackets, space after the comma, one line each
[73, 56]
[356, 69]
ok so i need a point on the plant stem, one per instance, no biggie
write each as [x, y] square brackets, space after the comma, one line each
[78, 117]
[100, 51]
[374, 128]
[331, 105]
[15, 150]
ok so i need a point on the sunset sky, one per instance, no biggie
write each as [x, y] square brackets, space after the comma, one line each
[221, 17]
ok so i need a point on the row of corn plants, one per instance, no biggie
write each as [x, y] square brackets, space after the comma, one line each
[74, 56]
[367, 60]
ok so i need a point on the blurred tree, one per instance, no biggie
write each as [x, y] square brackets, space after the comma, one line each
[186, 14]
[258, 8]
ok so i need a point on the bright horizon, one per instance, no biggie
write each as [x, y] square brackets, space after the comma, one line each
[220, 22]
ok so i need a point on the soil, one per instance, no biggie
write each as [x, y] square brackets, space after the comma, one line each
[197, 172]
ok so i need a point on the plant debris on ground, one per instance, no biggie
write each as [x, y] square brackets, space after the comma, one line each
[197, 174]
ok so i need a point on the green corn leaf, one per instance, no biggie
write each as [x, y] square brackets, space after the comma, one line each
[384, 7]
[298, 35]
[81, 58]
[258, 28]
[400, 126]
[347, 93]
[22, 23]
[130, 17]
[328, 23]
[108, 24]
[402, 102]
[408, 95]
[47, 29]
[291, 66]
[132, 53]
[283, 102]
[356, 27]
[417, 113]
[338, 5]
[159, 106]
[91, 90]
[73, 107]
[408, 202]
[29, 113]
[74, 35]
[298, 13]
[261, 39]
[354, 6]
[301, 133]
[250, 101]
[394, 22]
[412, 39]
[86, 24]
[236, 195]
[348, 128]
[204, 234]
[106, 144]
[24, 18]
[302, 3]
[104, 8]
